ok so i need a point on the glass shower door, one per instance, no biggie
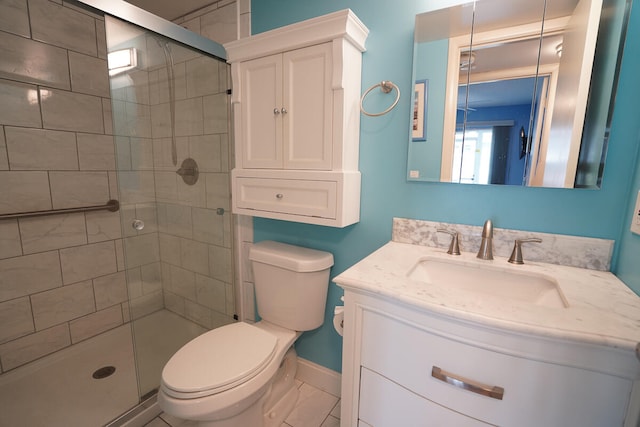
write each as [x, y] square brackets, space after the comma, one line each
[170, 122]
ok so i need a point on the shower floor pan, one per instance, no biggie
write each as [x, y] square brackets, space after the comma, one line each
[60, 391]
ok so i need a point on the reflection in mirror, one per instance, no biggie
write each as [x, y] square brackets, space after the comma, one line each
[510, 105]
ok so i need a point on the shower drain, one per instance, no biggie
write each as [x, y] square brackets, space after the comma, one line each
[104, 372]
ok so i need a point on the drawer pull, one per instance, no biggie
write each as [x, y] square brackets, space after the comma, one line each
[494, 392]
[279, 196]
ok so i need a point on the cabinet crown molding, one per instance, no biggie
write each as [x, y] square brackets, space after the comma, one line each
[343, 24]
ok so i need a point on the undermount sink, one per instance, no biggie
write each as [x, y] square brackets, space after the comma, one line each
[528, 287]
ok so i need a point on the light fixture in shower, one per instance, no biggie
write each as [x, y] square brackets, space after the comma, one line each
[122, 60]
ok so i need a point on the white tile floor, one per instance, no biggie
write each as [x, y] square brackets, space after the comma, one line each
[315, 408]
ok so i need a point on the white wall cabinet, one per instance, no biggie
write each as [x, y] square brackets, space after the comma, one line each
[397, 359]
[286, 110]
[296, 92]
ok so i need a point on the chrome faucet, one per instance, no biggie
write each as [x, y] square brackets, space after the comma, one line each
[486, 245]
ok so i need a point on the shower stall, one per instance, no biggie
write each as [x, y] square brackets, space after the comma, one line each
[97, 105]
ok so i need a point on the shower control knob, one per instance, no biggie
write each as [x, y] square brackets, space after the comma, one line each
[137, 224]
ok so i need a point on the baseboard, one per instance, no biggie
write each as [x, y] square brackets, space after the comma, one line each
[318, 376]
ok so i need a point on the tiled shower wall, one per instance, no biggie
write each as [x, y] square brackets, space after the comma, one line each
[63, 278]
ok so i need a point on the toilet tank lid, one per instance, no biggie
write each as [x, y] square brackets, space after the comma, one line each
[290, 257]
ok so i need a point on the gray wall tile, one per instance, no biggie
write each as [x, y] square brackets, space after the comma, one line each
[96, 152]
[183, 283]
[189, 117]
[19, 104]
[64, 110]
[15, 318]
[215, 113]
[87, 262]
[88, 74]
[34, 62]
[141, 250]
[14, 17]
[218, 191]
[107, 117]
[202, 77]
[175, 220]
[208, 226]
[31, 347]
[29, 274]
[211, 293]
[39, 149]
[52, 232]
[62, 304]
[10, 244]
[145, 305]
[95, 323]
[4, 160]
[24, 192]
[103, 225]
[207, 151]
[61, 26]
[221, 24]
[78, 189]
[194, 256]
[110, 289]
[220, 263]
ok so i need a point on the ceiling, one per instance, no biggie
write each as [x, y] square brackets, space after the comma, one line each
[170, 9]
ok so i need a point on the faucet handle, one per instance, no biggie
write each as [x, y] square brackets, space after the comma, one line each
[516, 254]
[454, 247]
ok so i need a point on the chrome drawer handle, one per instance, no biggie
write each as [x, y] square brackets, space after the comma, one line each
[494, 392]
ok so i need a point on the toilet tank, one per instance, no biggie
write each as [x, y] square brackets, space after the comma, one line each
[291, 284]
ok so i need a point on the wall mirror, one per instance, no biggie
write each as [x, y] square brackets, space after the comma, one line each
[515, 92]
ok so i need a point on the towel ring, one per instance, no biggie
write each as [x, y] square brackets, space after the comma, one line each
[386, 86]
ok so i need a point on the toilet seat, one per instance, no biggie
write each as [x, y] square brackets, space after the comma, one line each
[240, 349]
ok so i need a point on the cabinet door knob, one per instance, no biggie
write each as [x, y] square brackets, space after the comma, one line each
[284, 110]
[276, 111]
[279, 196]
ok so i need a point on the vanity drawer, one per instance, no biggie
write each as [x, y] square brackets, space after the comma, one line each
[297, 197]
[402, 407]
[535, 393]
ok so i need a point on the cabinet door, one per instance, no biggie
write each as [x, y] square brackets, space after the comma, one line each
[261, 100]
[308, 100]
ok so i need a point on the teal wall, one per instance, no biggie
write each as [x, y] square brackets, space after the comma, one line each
[384, 142]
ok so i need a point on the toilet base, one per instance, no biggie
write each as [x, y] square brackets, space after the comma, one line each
[283, 395]
[271, 409]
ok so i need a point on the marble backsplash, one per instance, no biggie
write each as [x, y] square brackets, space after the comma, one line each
[574, 251]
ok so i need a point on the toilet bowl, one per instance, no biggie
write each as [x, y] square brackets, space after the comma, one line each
[242, 375]
[192, 390]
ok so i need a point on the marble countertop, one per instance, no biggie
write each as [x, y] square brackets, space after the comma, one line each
[601, 309]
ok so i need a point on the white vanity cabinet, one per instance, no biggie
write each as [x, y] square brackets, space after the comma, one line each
[295, 101]
[407, 366]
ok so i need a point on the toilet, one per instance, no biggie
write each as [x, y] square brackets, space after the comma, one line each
[242, 375]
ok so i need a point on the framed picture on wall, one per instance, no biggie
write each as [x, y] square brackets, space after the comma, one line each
[419, 124]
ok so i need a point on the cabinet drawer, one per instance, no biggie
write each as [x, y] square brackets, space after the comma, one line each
[403, 407]
[535, 393]
[298, 197]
